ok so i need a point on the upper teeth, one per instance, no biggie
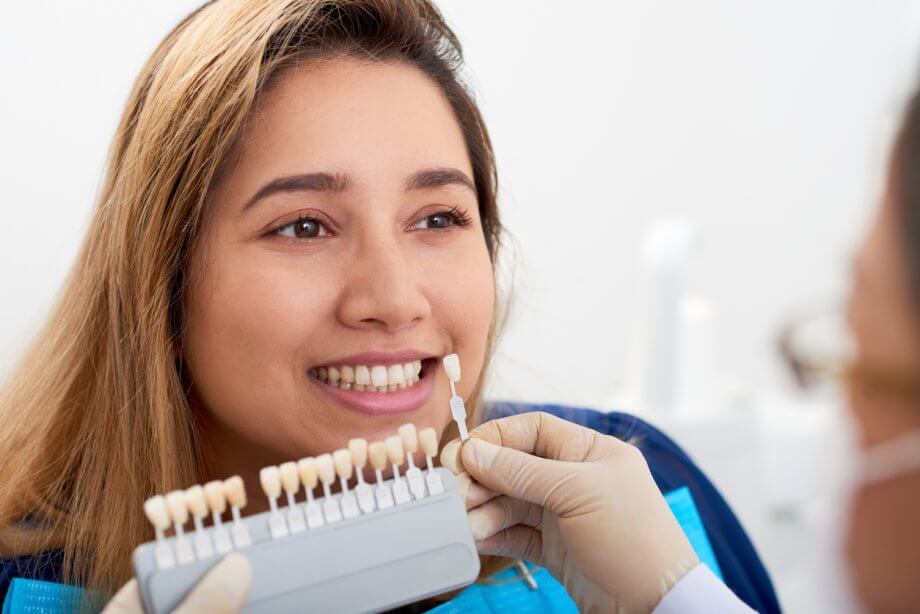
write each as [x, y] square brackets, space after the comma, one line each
[379, 378]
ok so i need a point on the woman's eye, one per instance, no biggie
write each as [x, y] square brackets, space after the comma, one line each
[303, 228]
[434, 221]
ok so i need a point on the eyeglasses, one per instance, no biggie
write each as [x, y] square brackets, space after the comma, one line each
[820, 352]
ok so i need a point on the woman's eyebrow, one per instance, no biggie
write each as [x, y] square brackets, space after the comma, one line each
[438, 177]
[309, 182]
[339, 182]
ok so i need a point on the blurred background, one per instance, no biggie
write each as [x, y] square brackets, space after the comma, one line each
[678, 179]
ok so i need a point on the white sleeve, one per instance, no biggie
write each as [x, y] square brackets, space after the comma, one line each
[700, 591]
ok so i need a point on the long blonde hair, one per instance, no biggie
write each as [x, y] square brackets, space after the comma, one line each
[97, 417]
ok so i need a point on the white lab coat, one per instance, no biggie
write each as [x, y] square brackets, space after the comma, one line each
[698, 592]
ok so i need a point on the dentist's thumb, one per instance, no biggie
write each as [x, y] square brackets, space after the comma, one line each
[515, 473]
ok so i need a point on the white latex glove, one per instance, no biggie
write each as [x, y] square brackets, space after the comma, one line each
[581, 504]
[221, 591]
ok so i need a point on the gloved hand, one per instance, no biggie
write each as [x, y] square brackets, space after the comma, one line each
[222, 590]
[581, 504]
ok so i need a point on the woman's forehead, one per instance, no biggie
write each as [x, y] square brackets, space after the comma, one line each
[369, 119]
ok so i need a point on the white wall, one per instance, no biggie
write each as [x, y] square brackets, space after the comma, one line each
[763, 122]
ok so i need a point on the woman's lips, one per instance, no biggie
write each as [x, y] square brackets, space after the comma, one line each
[377, 403]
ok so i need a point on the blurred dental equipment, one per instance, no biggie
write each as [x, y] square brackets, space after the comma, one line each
[671, 361]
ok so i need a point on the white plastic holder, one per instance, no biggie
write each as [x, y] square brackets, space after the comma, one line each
[433, 479]
[365, 495]
[239, 531]
[163, 554]
[349, 505]
[401, 492]
[415, 480]
[295, 519]
[314, 515]
[201, 541]
[184, 552]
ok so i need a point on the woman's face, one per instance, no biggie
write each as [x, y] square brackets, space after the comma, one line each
[346, 242]
[883, 542]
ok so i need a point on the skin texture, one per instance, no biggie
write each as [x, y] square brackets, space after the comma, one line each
[883, 543]
[264, 308]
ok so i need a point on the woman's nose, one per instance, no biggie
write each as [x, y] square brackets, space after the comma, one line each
[383, 290]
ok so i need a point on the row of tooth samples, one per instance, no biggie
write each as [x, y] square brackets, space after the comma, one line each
[340, 466]
[376, 378]
[174, 509]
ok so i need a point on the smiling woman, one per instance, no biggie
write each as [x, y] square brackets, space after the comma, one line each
[298, 221]
[361, 264]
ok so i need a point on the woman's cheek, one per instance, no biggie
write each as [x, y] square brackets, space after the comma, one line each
[467, 304]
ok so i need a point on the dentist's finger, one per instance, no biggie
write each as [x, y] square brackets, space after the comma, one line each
[521, 475]
[501, 513]
[126, 601]
[473, 492]
[546, 436]
[223, 590]
[517, 542]
[450, 457]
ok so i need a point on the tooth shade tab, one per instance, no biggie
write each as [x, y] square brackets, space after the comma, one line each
[409, 436]
[270, 479]
[452, 366]
[362, 375]
[197, 504]
[394, 448]
[236, 491]
[358, 449]
[290, 480]
[178, 510]
[325, 468]
[217, 499]
[309, 474]
[428, 438]
[157, 512]
[343, 465]
[378, 455]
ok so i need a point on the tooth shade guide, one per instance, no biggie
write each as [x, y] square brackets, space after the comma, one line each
[157, 512]
[217, 502]
[451, 364]
[290, 482]
[235, 491]
[409, 436]
[212, 499]
[158, 515]
[178, 512]
[428, 438]
[428, 441]
[309, 477]
[326, 469]
[270, 477]
[195, 500]
[373, 558]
